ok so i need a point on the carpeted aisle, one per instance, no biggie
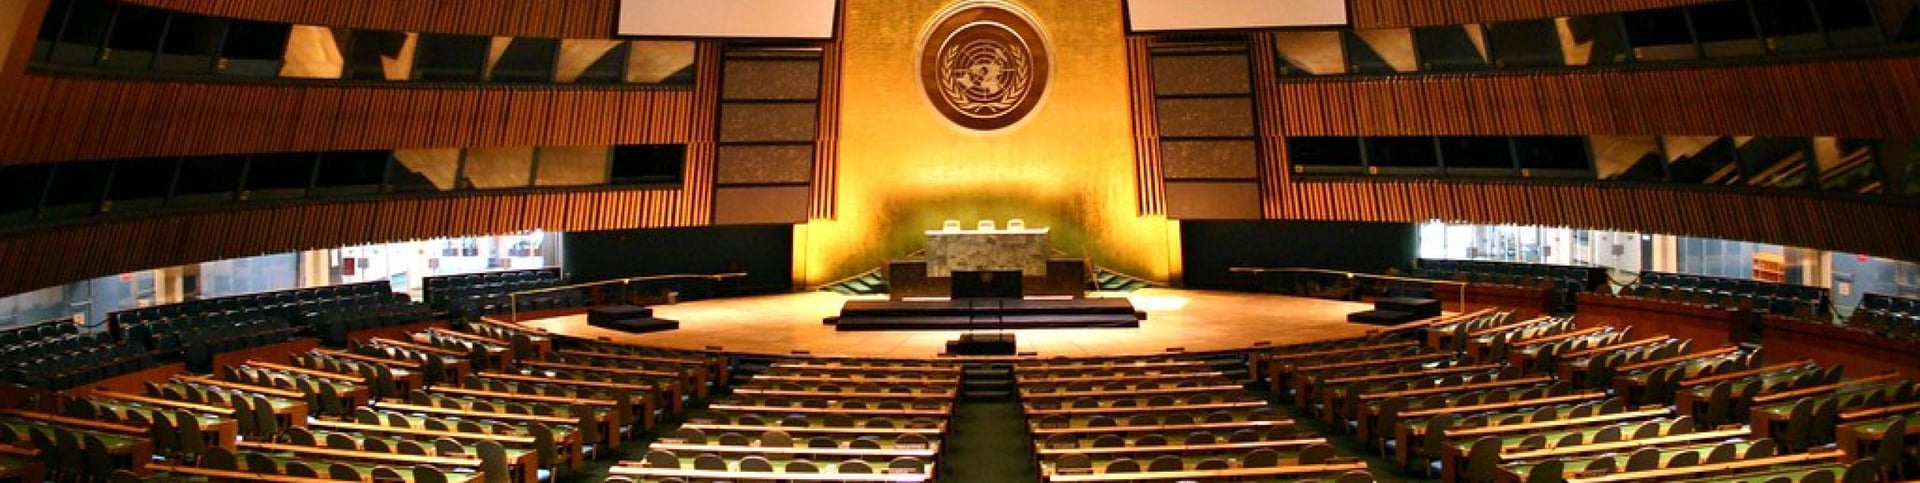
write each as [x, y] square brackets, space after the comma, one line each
[987, 442]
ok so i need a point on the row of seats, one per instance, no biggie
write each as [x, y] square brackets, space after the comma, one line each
[27, 333]
[1566, 282]
[69, 361]
[1777, 298]
[1888, 316]
[473, 295]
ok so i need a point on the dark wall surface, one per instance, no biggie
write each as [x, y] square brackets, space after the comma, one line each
[1211, 248]
[763, 252]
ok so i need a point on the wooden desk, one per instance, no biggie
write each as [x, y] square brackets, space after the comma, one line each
[1208, 475]
[1041, 432]
[334, 376]
[1045, 452]
[1764, 419]
[955, 370]
[1340, 400]
[140, 452]
[1454, 457]
[825, 475]
[1669, 474]
[232, 475]
[1405, 432]
[610, 436]
[1623, 446]
[1130, 393]
[454, 363]
[568, 448]
[1367, 413]
[797, 431]
[1574, 365]
[942, 412]
[1032, 412]
[1627, 386]
[1304, 380]
[860, 380]
[928, 453]
[1851, 438]
[674, 384]
[168, 403]
[615, 408]
[529, 462]
[837, 395]
[499, 355]
[649, 392]
[294, 412]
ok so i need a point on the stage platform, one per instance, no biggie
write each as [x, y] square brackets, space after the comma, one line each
[986, 314]
[1195, 320]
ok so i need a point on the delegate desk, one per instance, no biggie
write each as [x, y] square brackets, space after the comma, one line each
[528, 463]
[121, 440]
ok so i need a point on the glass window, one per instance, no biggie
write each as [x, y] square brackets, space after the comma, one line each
[1477, 155]
[660, 62]
[496, 168]
[1453, 47]
[1775, 162]
[451, 58]
[1725, 29]
[49, 34]
[253, 49]
[190, 44]
[85, 28]
[1628, 158]
[1402, 152]
[279, 174]
[524, 60]
[1594, 40]
[1701, 160]
[1848, 165]
[1660, 34]
[1311, 154]
[381, 56]
[315, 53]
[1903, 21]
[1788, 25]
[572, 166]
[1381, 51]
[22, 185]
[648, 163]
[1849, 23]
[1542, 155]
[217, 176]
[79, 183]
[1526, 43]
[142, 179]
[424, 169]
[1903, 166]
[345, 169]
[1309, 52]
[591, 61]
[135, 37]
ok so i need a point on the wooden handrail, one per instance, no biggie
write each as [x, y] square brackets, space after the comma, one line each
[1501, 406]
[367, 359]
[1461, 388]
[1610, 348]
[348, 378]
[1430, 356]
[1401, 375]
[1161, 428]
[378, 341]
[208, 381]
[154, 401]
[1824, 388]
[1879, 411]
[1177, 448]
[1559, 337]
[1558, 423]
[1679, 358]
[1348, 350]
[1507, 327]
[1165, 391]
[1612, 446]
[1717, 378]
[1667, 474]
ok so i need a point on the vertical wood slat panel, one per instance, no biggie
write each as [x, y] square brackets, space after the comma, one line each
[1403, 13]
[1851, 98]
[527, 18]
[1149, 179]
[108, 118]
[824, 191]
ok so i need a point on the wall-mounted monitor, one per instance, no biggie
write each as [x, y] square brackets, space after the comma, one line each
[1186, 15]
[729, 19]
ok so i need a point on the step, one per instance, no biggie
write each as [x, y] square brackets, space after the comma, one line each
[985, 395]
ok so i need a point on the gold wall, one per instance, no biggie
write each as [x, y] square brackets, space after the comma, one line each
[903, 168]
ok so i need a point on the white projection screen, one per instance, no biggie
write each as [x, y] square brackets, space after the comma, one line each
[732, 19]
[1177, 15]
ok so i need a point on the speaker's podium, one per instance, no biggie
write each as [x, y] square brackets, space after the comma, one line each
[986, 280]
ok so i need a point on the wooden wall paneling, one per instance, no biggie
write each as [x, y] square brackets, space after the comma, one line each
[823, 200]
[1837, 97]
[521, 18]
[1401, 13]
[1149, 179]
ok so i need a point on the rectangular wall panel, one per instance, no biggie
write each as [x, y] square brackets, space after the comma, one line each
[1208, 200]
[763, 164]
[760, 205]
[1211, 160]
[1205, 117]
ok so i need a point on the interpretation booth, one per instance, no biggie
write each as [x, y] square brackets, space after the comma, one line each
[987, 279]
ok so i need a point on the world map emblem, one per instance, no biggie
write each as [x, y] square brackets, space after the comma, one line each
[984, 64]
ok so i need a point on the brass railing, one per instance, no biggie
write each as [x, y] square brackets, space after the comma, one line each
[513, 299]
[1370, 276]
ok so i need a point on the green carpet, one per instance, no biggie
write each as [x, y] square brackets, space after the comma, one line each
[987, 442]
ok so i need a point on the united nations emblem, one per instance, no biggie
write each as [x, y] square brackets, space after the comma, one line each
[984, 64]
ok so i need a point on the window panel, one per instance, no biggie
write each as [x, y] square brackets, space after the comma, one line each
[22, 185]
[382, 56]
[572, 166]
[1701, 160]
[1848, 165]
[424, 169]
[527, 61]
[279, 175]
[497, 168]
[85, 28]
[49, 34]
[1402, 152]
[1660, 35]
[253, 49]
[1903, 166]
[210, 175]
[135, 179]
[1849, 23]
[79, 183]
[190, 44]
[451, 58]
[1453, 47]
[660, 62]
[648, 164]
[1902, 20]
[315, 53]
[1726, 29]
[1594, 39]
[1775, 162]
[1527, 43]
[1309, 52]
[590, 61]
[351, 169]
[1789, 25]
[135, 37]
[1628, 158]
[1309, 154]
[1477, 155]
[1381, 51]
[1551, 153]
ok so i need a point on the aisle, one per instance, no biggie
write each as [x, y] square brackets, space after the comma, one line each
[987, 441]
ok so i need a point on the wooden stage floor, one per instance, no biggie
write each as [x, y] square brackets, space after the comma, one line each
[1192, 319]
